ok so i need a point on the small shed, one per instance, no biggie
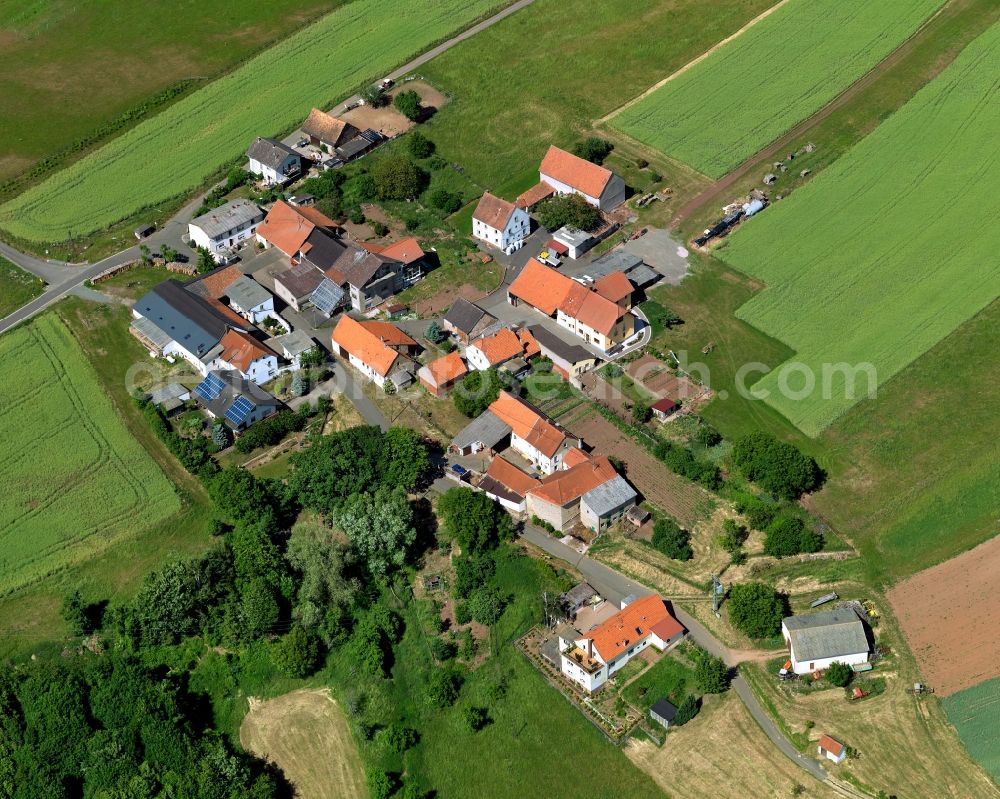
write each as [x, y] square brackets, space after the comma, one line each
[143, 231]
[665, 408]
[831, 749]
[577, 597]
[637, 515]
[663, 713]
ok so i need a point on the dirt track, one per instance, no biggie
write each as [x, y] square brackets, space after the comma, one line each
[951, 616]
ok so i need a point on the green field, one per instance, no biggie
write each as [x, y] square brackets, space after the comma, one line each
[787, 66]
[975, 712]
[176, 151]
[884, 253]
[16, 287]
[498, 130]
[75, 481]
[65, 56]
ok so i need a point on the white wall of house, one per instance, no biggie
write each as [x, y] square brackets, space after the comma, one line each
[258, 313]
[598, 523]
[509, 239]
[565, 188]
[274, 176]
[541, 462]
[223, 241]
[590, 682]
[477, 358]
[367, 371]
[809, 666]
[513, 507]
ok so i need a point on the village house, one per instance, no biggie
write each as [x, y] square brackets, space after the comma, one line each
[467, 321]
[569, 361]
[507, 484]
[816, 640]
[500, 223]
[569, 174]
[222, 228]
[226, 394]
[664, 408]
[372, 277]
[582, 311]
[276, 163]
[292, 346]
[228, 285]
[379, 350]
[242, 352]
[593, 657]
[497, 349]
[512, 421]
[586, 490]
[441, 374]
[171, 322]
[289, 227]
[326, 131]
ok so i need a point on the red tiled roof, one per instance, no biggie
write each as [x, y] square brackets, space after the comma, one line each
[325, 127]
[614, 286]
[598, 313]
[494, 211]
[447, 369]
[632, 625]
[831, 745]
[287, 227]
[241, 349]
[557, 246]
[582, 175]
[531, 348]
[574, 457]
[541, 287]
[540, 191]
[665, 405]
[500, 347]
[528, 423]
[508, 475]
[405, 250]
[357, 340]
[568, 485]
[213, 285]
[229, 313]
[389, 333]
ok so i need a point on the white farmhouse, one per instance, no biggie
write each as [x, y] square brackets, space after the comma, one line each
[569, 174]
[275, 162]
[500, 223]
[591, 658]
[816, 640]
[245, 354]
[223, 228]
[250, 299]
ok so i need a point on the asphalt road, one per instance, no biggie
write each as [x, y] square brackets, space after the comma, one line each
[615, 586]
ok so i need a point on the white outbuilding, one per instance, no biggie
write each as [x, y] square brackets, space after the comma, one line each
[816, 640]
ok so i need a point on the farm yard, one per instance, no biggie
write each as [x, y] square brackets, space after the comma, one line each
[882, 276]
[75, 481]
[205, 130]
[975, 712]
[548, 93]
[950, 616]
[305, 733]
[775, 74]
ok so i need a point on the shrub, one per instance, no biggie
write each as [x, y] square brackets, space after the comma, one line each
[593, 149]
[682, 461]
[838, 674]
[756, 609]
[641, 412]
[296, 653]
[408, 104]
[733, 535]
[789, 535]
[462, 613]
[270, 431]
[475, 717]
[759, 514]
[443, 650]
[357, 216]
[686, 710]
[374, 96]
[775, 465]
[487, 606]
[711, 674]
[221, 435]
[477, 391]
[396, 177]
[443, 687]
[670, 539]
[568, 210]
[380, 785]
[642, 163]
[445, 200]
[419, 146]
[399, 738]
[379, 228]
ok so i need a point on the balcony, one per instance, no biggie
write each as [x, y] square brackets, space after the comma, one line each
[584, 661]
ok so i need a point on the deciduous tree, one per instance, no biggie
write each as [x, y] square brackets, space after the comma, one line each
[380, 527]
[756, 609]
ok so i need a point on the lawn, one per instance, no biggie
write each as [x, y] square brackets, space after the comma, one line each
[269, 94]
[881, 275]
[975, 712]
[75, 479]
[102, 352]
[66, 56]
[777, 73]
[666, 679]
[16, 287]
[498, 130]
[134, 283]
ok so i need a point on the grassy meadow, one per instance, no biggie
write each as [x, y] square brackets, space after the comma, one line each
[867, 264]
[75, 479]
[202, 132]
[499, 129]
[16, 287]
[750, 91]
[65, 56]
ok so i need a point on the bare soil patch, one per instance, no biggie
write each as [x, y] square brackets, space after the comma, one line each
[387, 120]
[306, 735]
[951, 616]
[681, 498]
[659, 379]
[702, 759]
[445, 298]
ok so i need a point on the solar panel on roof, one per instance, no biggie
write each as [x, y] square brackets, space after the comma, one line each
[239, 410]
[327, 296]
[210, 388]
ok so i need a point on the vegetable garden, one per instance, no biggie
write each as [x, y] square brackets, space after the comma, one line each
[887, 251]
[787, 66]
[74, 478]
[176, 151]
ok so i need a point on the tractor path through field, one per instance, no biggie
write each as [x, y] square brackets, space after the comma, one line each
[693, 62]
[723, 184]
